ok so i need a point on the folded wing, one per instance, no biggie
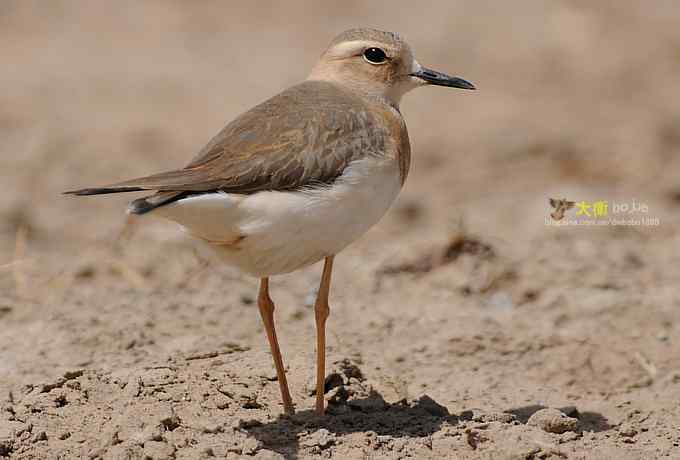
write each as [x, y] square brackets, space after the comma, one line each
[303, 137]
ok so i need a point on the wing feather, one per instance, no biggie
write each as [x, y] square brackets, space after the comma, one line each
[306, 135]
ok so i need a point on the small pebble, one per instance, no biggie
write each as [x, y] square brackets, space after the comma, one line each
[626, 430]
[552, 421]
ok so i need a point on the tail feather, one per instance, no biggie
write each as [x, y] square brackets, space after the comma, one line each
[103, 190]
[138, 206]
[149, 203]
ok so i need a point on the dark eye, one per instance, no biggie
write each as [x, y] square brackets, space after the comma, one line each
[375, 55]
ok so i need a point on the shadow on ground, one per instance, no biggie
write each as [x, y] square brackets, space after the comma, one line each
[403, 419]
[287, 435]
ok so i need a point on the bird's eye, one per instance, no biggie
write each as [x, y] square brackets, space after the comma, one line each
[375, 56]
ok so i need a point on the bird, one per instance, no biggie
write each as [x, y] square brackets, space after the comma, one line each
[296, 179]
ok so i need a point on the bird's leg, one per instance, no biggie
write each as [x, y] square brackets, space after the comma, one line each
[321, 312]
[266, 306]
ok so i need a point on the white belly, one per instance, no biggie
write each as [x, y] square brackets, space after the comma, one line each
[269, 233]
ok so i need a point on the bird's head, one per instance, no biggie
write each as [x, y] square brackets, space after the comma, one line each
[378, 64]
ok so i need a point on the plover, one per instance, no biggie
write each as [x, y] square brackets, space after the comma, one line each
[296, 179]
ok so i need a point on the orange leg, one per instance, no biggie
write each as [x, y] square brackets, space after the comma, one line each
[321, 312]
[266, 306]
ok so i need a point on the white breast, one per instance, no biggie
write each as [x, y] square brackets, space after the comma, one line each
[269, 233]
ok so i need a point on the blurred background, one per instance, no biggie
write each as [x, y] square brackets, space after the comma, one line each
[571, 94]
[577, 99]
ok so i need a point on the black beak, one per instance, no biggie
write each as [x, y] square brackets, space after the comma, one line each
[441, 79]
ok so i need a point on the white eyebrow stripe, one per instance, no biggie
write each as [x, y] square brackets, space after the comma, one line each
[351, 48]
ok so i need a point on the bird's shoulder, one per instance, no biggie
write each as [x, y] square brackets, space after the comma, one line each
[306, 135]
[292, 122]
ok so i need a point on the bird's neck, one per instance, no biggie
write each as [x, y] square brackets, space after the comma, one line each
[372, 92]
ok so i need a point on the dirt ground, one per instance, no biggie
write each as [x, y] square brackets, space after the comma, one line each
[463, 326]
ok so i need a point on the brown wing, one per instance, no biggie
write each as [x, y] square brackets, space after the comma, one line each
[304, 136]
